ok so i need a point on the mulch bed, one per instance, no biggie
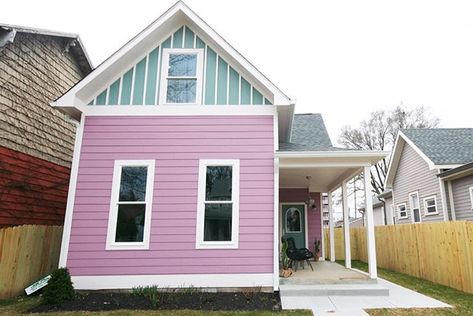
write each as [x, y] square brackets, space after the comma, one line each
[101, 301]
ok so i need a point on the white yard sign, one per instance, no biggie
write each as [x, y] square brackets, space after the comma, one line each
[37, 285]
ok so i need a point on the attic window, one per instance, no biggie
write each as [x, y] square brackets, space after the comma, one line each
[181, 76]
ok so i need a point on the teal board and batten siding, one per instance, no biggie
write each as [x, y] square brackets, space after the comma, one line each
[139, 85]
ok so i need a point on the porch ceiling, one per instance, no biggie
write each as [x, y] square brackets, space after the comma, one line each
[323, 179]
[327, 169]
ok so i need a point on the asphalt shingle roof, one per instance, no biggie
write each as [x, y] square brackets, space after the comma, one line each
[309, 134]
[444, 146]
[309, 129]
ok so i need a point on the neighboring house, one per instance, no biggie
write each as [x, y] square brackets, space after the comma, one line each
[36, 141]
[459, 182]
[430, 175]
[382, 210]
[189, 165]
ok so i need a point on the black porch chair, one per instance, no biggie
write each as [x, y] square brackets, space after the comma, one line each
[297, 255]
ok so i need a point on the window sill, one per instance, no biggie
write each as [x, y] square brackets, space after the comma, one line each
[431, 213]
[216, 245]
[403, 217]
[127, 246]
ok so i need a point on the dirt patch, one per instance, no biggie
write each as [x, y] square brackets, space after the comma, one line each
[99, 301]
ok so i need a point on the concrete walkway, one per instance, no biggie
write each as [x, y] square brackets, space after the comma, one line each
[399, 297]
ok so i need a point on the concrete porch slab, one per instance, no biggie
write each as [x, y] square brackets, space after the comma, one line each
[326, 272]
[399, 297]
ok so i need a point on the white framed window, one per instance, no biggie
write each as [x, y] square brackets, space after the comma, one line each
[471, 196]
[129, 219]
[181, 76]
[430, 205]
[402, 210]
[218, 204]
[414, 205]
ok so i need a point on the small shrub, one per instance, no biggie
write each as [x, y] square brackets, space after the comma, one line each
[59, 288]
[150, 292]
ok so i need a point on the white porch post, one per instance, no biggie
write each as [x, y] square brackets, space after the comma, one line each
[370, 236]
[331, 228]
[322, 234]
[346, 225]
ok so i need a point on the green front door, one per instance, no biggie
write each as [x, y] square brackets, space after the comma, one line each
[293, 223]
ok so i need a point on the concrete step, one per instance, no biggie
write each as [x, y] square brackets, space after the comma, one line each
[313, 281]
[333, 290]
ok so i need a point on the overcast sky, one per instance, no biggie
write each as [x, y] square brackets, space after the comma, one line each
[343, 59]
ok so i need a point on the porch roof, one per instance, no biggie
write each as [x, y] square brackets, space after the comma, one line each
[327, 169]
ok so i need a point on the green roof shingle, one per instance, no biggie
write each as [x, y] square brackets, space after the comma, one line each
[444, 146]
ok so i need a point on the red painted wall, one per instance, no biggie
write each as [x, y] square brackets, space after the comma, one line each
[32, 190]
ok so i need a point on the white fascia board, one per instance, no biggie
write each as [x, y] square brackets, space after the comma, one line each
[402, 139]
[393, 162]
[176, 14]
[178, 110]
[417, 150]
[333, 154]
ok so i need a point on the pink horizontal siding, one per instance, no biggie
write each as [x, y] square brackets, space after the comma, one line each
[176, 144]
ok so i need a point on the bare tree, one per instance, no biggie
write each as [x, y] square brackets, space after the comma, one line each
[379, 132]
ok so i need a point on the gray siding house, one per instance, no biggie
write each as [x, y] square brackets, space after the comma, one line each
[431, 175]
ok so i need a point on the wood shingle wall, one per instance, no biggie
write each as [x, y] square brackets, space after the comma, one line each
[35, 70]
[36, 140]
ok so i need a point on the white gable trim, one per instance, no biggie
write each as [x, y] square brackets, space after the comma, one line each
[179, 13]
[396, 153]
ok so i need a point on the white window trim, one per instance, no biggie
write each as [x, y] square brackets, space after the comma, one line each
[411, 207]
[164, 70]
[399, 212]
[113, 213]
[471, 196]
[426, 212]
[233, 244]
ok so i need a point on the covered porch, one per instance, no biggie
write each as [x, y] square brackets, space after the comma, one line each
[303, 178]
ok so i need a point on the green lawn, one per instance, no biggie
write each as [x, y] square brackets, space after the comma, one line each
[463, 302]
[21, 305]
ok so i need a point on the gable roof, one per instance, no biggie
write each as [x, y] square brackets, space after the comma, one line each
[441, 148]
[444, 146]
[72, 42]
[179, 14]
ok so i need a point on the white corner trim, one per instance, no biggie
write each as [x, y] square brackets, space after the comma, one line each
[276, 227]
[199, 240]
[66, 234]
[115, 282]
[443, 198]
[452, 204]
[164, 73]
[114, 200]
[179, 110]
[470, 189]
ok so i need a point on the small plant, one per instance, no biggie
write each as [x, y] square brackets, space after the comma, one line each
[317, 249]
[59, 288]
[150, 292]
[250, 292]
[284, 257]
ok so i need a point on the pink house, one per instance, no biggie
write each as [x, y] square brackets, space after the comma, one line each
[189, 165]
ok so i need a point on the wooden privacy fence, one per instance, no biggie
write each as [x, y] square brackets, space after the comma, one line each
[440, 252]
[27, 253]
